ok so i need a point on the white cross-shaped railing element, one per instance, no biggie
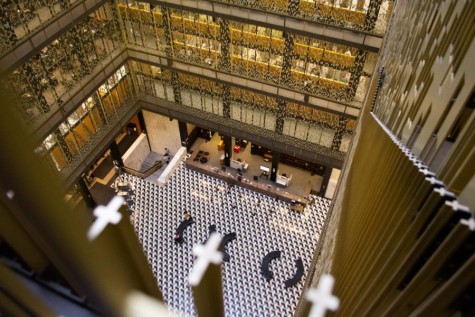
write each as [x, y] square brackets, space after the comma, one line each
[321, 297]
[434, 181]
[444, 192]
[105, 215]
[205, 254]
[469, 222]
[457, 206]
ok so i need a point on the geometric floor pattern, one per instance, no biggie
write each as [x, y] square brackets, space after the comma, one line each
[261, 223]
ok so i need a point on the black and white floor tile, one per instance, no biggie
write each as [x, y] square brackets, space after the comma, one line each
[262, 224]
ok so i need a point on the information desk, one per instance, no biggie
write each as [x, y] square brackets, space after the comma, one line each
[265, 189]
[283, 180]
[239, 165]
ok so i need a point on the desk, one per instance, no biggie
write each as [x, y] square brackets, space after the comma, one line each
[256, 186]
[283, 180]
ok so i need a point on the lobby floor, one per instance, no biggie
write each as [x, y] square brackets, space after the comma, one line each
[262, 225]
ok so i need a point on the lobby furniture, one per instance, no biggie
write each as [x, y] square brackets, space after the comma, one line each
[226, 239]
[181, 228]
[268, 274]
[229, 178]
[297, 276]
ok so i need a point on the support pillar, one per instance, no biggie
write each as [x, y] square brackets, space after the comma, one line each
[287, 58]
[143, 127]
[326, 180]
[360, 60]
[275, 165]
[85, 193]
[228, 150]
[281, 106]
[63, 145]
[339, 133]
[142, 122]
[225, 40]
[226, 101]
[372, 14]
[183, 134]
[115, 154]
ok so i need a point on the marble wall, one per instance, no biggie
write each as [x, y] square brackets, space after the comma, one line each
[136, 154]
[162, 133]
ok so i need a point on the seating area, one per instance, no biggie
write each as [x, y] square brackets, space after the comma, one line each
[202, 156]
[268, 274]
[181, 228]
[261, 223]
[297, 276]
[226, 239]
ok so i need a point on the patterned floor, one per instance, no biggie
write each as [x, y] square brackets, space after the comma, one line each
[261, 223]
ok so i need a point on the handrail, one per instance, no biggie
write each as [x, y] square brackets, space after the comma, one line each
[145, 174]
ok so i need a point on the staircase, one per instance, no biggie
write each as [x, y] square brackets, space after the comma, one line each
[150, 161]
